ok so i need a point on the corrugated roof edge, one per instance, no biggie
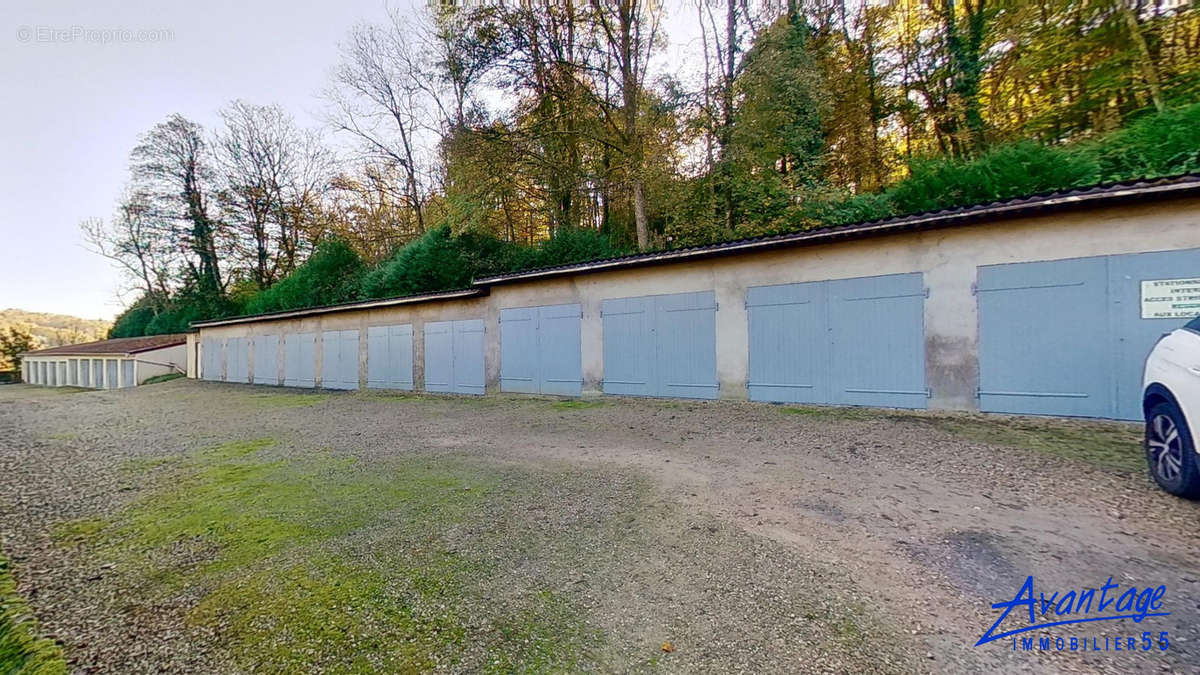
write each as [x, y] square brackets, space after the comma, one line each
[134, 345]
[1062, 200]
[341, 307]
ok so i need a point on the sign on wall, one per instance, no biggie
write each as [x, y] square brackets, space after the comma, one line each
[1170, 298]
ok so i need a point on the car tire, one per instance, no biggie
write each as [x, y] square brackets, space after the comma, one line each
[1169, 452]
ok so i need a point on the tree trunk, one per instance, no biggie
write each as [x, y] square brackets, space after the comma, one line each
[727, 110]
[1146, 62]
[639, 215]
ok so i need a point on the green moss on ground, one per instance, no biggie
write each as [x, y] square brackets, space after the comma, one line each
[1114, 446]
[576, 404]
[165, 377]
[81, 531]
[833, 413]
[62, 436]
[22, 651]
[273, 400]
[288, 584]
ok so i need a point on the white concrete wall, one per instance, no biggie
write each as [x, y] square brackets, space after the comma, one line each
[161, 362]
[947, 258]
[146, 365]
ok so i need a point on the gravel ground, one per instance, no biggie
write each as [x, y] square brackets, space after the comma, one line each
[750, 539]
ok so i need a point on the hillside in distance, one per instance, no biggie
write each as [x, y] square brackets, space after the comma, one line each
[52, 330]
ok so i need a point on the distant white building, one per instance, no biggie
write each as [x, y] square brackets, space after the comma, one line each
[108, 364]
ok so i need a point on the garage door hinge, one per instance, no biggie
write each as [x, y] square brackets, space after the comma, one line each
[927, 291]
[928, 393]
[974, 288]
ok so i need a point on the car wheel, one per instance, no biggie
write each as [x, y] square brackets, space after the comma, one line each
[1169, 452]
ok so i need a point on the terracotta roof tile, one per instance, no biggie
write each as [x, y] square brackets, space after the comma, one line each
[131, 345]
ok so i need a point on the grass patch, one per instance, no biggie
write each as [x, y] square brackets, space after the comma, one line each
[1114, 446]
[22, 651]
[832, 413]
[271, 543]
[1109, 445]
[81, 531]
[391, 395]
[286, 400]
[61, 436]
[165, 377]
[325, 613]
[576, 404]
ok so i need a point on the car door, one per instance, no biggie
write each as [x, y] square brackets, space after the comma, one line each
[1179, 370]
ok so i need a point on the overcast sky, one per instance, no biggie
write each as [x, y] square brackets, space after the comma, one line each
[76, 99]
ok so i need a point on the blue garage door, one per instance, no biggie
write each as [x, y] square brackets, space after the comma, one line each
[97, 373]
[237, 359]
[1067, 337]
[127, 374]
[266, 359]
[390, 357]
[210, 359]
[540, 351]
[454, 356]
[110, 374]
[299, 360]
[661, 345]
[854, 341]
[339, 359]
[85, 373]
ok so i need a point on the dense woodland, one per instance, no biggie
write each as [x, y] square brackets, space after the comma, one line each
[505, 136]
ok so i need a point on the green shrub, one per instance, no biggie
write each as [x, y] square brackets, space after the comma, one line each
[133, 321]
[22, 649]
[821, 208]
[440, 261]
[572, 245]
[1007, 171]
[165, 377]
[150, 316]
[1164, 144]
[330, 275]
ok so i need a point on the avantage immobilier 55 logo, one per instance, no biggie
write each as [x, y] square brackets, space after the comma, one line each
[1098, 608]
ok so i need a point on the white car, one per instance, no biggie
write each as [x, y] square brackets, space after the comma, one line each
[1171, 402]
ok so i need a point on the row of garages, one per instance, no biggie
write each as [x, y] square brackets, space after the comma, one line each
[1041, 306]
[1060, 337]
[119, 363]
[88, 373]
[659, 345]
[454, 358]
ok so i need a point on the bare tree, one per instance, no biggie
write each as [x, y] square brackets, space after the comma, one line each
[272, 175]
[382, 95]
[629, 29]
[541, 58]
[172, 172]
[137, 245]
[462, 48]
